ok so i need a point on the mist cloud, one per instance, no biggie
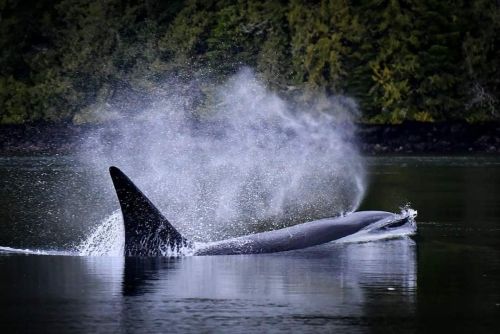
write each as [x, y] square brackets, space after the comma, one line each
[251, 161]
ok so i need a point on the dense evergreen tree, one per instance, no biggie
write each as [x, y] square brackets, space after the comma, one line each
[481, 49]
[440, 55]
[80, 61]
[393, 60]
[325, 43]
[27, 48]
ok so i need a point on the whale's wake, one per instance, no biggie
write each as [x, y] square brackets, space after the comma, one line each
[27, 251]
[108, 238]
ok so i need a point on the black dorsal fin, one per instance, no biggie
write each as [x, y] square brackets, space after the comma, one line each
[147, 232]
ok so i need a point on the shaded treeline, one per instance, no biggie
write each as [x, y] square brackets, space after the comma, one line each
[425, 60]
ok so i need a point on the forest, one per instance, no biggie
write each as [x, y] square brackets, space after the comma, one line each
[71, 61]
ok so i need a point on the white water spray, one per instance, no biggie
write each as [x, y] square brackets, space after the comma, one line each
[252, 162]
[378, 231]
[108, 238]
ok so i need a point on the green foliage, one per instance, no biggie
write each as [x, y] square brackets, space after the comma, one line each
[440, 57]
[84, 61]
[326, 39]
[394, 61]
[14, 98]
[480, 46]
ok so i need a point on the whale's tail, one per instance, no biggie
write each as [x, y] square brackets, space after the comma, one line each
[147, 232]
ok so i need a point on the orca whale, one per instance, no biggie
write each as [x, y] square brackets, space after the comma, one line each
[149, 233]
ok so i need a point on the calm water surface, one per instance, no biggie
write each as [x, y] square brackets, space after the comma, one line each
[445, 279]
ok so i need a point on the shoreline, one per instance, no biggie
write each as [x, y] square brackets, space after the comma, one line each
[429, 138]
[405, 138]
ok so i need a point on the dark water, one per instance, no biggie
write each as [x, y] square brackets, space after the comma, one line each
[445, 280]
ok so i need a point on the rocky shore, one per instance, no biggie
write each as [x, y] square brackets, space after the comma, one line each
[439, 138]
[406, 138]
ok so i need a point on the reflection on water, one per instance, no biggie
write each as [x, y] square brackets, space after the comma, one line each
[325, 288]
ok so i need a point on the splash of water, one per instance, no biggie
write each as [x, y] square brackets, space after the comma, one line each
[108, 238]
[252, 161]
[378, 231]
